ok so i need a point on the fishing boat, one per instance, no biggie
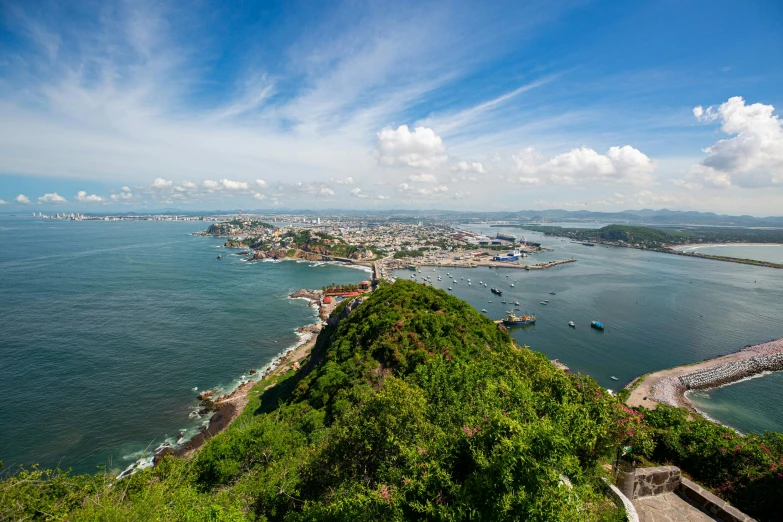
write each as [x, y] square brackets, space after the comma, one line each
[513, 320]
[497, 291]
[598, 325]
[571, 324]
[614, 378]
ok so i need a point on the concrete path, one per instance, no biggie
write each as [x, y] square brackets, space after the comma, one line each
[668, 507]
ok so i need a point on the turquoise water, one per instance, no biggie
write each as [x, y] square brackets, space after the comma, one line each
[105, 328]
[731, 405]
[771, 253]
[659, 310]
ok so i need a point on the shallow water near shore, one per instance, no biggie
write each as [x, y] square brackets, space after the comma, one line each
[760, 252]
[659, 310]
[106, 328]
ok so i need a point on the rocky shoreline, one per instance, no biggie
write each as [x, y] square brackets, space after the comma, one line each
[669, 386]
[227, 407]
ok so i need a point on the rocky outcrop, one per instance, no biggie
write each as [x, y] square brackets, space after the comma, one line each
[313, 295]
[233, 244]
[334, 320]
[206, 394]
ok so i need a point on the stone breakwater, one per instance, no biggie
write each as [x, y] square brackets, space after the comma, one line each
[731, 372]
[749, 361]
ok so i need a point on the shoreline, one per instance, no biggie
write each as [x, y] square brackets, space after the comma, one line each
[670, 386]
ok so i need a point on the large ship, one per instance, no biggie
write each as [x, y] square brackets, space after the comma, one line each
[512, 255]
[506, 237]
[512, 320]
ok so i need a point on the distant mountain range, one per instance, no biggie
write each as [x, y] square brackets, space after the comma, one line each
[637, 217]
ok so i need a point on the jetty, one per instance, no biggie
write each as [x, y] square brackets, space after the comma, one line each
[669, 386]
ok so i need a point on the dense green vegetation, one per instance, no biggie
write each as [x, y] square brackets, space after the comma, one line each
[656, 237]
[745, 470]
[413, 407]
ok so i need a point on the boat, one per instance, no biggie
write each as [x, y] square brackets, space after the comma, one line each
[543, 302]
[546, 301]
[571, 324]
[512, 255]
[469, 283]
[598, 325]
[513, 320]
[512, 285]
[497, 291]
[614, 378]
[552, 293]
[503, 301]
[484, 310]
[220, 257]
[516, 303]
[588, 244]
[449, 288]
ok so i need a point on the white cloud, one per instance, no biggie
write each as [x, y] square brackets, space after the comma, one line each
[326, 191]
[421, 191]
[161, 183]
[127, 189]
[382, 197]
[464, 166]
[53, 197]
[346, 181]
[753, 157]
[125, 194]
[187, 185]
[261, 183]
[21, 198]
[234, 185]
[259, 196]
[422, 148]
[357, 193]
[529, 181]
[83, 197]
[619, 165]
[2, 202]
[423, 178]
[210, 185]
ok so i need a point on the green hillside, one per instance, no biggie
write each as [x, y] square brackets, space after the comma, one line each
[413, 407]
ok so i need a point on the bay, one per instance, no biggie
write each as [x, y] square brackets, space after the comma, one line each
[106, 328]
[660, 311]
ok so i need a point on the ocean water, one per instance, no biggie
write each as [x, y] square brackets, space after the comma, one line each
[106, 328]
[659, 310]
[759, 252]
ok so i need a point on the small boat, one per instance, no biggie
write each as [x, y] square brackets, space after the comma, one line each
[571, 324]
[552, 293]
[512, 285]
[598, 325]
[506, 275]
[516, 303]
[503, 301]
[469, 283]
[543, 302]
[614, 378]
[220, 257]
[484, 310]
[449, 288]
[462, 278]
[546, 301]
[497, 291]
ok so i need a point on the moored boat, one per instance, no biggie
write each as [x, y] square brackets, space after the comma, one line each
[598, 325]
[571, 324]
[513, 320]
[497, 291]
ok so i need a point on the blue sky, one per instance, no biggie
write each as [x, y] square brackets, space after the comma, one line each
[602, 105]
